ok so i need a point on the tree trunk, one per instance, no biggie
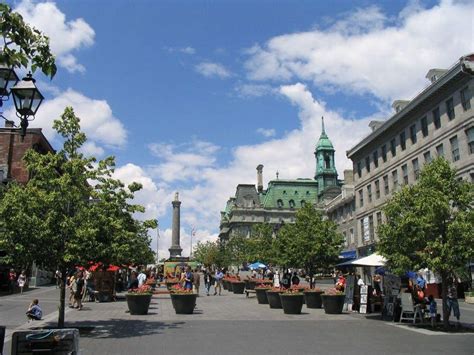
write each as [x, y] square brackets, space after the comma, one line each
[62, 298]
[444, 296]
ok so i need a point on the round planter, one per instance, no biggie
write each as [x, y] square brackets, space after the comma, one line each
[313, 299]
[138, 304]
[183, 303]
[333, 304]
[274, 299]
[238, 287]
[261, 295]
[291, 303]
[225, 284]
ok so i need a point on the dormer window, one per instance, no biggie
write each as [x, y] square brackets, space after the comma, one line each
[280, 203]
[292, 204]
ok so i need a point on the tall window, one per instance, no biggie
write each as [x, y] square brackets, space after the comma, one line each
[292, 204]
[436, 118]
[393, 147]
[427, 157]
[361, 198]
[359, 168]
[386, 188]
[424, 126]
[369, 193]
[450, 108]
[454, 148]
[280, 203]
[377, 189]
[405, 174]
[470, 139]
[403, 143]
[351, 233]
[375, 157]
[394, 179]
[379, 218]
[416, 168]
[465, 99]
[440, 150]
[413, 134]
[384, 153]
[371, 227]
[346, 241]
[367, 164]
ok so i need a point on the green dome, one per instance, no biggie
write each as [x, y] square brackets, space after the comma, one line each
[324, 142]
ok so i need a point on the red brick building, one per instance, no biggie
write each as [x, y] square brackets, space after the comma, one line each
[12, 150]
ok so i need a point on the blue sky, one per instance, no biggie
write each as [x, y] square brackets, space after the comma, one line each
[193, 95]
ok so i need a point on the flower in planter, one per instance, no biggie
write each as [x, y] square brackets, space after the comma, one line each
[333, 292]
[180, 290]
[293, 290]
[262, 286]
[277, 289]
[315, 289]
[142, 290]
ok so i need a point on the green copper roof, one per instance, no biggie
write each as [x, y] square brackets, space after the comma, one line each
[324, 142]
[290, 193]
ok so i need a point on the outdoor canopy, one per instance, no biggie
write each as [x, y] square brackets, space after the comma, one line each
[371, 260]
[257, 265]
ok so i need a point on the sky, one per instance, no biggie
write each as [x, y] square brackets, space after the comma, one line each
[191, 96]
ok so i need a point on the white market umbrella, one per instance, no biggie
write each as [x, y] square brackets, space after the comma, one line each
[371, 260]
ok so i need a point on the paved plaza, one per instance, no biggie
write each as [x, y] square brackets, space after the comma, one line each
[231, 324]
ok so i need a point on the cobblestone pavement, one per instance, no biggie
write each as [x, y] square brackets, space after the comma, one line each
[234, 324]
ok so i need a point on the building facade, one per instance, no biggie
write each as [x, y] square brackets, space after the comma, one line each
[278, 203]
[439, 121]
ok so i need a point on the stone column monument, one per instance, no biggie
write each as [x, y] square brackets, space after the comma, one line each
[175, 249]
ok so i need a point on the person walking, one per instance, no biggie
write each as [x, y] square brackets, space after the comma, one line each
[197, 281]
[11, 280]
[452, 301]
[22, 280]
[72, 290]
[34, 311]
[79, 290]
[218, 279]
[141, 278]
[207, 281]
[295, 280]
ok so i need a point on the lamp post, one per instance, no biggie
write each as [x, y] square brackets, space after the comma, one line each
[8, 78]
[27, 100]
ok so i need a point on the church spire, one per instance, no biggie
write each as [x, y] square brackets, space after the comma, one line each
[322, 123]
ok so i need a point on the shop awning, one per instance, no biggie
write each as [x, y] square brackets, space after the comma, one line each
[348, 254]
[371, 260]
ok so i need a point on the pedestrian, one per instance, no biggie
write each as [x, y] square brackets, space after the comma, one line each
[286, 280]
[420, 281]
[295, 280]
[22, 280]
[12, 280]
[197, 281]
[34, 311]
[71, 285]
[360, 282]
[433, 311]
[79, 290]
[188, 278]
[141, 278]
[452, 301]
[218, 279]
[207, 281]
[58, 277]
[133, 282]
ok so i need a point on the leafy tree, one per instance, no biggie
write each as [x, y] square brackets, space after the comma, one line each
[72, 211]
[310, 243]
[430, 225]
[260, 244]
[206, 253]
[23, 45]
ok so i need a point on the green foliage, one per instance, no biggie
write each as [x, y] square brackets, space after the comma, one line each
[72, 211]
[211, 254]
[430, 224]
[24, 45]
[260, 244]
[311, 243]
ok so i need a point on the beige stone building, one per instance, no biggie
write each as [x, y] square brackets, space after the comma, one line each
[439, 121]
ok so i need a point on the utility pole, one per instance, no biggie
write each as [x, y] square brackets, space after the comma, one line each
[157, 242]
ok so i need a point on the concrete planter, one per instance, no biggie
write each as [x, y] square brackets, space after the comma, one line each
[238, 287]
[333, 304]
[292, 303]
[313, 299]
[183, 303]
[274, 299]
[261, 295]
[138, 304]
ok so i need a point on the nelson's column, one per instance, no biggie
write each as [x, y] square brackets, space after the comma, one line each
[175, 249]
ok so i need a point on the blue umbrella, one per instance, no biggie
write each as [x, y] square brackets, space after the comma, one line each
[257, 265]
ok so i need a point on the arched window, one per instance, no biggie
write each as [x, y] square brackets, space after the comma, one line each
[292, 204]
[327, 162]
[280, 203]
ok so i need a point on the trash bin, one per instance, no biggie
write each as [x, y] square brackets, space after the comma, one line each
[2, 338]
[50, 341]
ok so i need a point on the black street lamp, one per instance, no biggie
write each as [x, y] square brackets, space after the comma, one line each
[8, 78]
[27, 100]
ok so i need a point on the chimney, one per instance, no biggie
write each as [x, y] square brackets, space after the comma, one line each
[348, 177]
[399, 105]
[9, 124]
[435, 74]
[260, 178]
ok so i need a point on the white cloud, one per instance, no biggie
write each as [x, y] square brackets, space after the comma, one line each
[185, 50]
[65, 36]
[361, 54]
[92, 149]
[253, 90]
[213, 70]
[266, 132]
[97, 119]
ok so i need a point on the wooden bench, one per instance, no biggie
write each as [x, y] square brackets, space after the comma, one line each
[247, 292]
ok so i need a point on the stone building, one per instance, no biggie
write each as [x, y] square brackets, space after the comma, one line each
[281, 199]
[439, 121]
